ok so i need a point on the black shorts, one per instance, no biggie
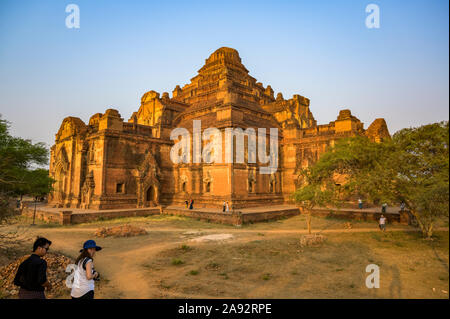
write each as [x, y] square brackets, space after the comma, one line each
[88, 295]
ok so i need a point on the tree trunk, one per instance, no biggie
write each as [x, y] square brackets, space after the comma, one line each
[21, 204]
[308, 223]
[427, 228]
[34, 213]
[428, 233]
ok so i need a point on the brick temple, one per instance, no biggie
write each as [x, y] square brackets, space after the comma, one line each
[110, 163]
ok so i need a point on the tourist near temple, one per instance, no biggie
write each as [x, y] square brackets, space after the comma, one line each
[110, 163]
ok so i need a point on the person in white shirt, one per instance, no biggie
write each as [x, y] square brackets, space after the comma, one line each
[85, 274]
[227, 207]
[382, 223]
[360, 203]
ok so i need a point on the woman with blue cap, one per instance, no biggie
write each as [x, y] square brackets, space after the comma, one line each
[85, 274]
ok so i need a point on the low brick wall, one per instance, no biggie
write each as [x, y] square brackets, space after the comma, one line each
[66, 217]
[50, 217]
[232, 218]
[77, 218]
[272, 215]
[392, 217]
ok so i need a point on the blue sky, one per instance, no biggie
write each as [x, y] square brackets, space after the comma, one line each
[319, 49]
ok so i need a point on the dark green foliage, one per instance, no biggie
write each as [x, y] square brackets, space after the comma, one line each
[412, 168]
[20, 172]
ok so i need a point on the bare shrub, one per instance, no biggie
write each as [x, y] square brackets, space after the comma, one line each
[312, 240]
[120, 231]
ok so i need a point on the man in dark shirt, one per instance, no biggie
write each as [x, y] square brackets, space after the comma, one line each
[31, 275]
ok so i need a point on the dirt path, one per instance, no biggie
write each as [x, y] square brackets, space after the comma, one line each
[128, 275]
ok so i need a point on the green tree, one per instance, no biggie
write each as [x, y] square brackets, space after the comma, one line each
[20, 172]
[412, 168]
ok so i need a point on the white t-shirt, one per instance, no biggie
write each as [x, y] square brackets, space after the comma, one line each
[81, 285]
[382, 220]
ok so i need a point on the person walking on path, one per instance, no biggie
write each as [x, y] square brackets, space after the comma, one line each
[227, 207]
[191, 205]
[382, 223]
[85, 274]
[186, 203]
[402, 206]
[360, 203]
[31, 275]
[224, 205]
[384, 208]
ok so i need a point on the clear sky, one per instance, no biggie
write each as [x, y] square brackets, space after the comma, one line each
[320, 49]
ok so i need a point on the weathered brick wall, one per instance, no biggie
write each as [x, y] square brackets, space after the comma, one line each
[78, 218]
[273, 215]
[51, 217]
[219, 217]
[232, 218]
[395, 217]
[65, 217]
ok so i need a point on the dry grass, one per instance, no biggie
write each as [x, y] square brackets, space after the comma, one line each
[279, 268]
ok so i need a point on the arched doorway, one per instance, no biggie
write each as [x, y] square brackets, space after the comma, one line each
[60, 185]
[150, 196]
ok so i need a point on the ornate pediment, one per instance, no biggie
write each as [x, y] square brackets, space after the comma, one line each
[207, 178]
[70, 126]
[149, 166]
[183, 179]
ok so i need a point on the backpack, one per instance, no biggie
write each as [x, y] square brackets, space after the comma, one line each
[19, 279]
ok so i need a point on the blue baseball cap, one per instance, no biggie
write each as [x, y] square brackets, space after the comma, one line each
[90, 244]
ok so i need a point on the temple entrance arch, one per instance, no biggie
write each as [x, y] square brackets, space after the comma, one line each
[60, 184]
[148, 193]
[59, 187]
[151, 196]
[59, 174]
[147, 182]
